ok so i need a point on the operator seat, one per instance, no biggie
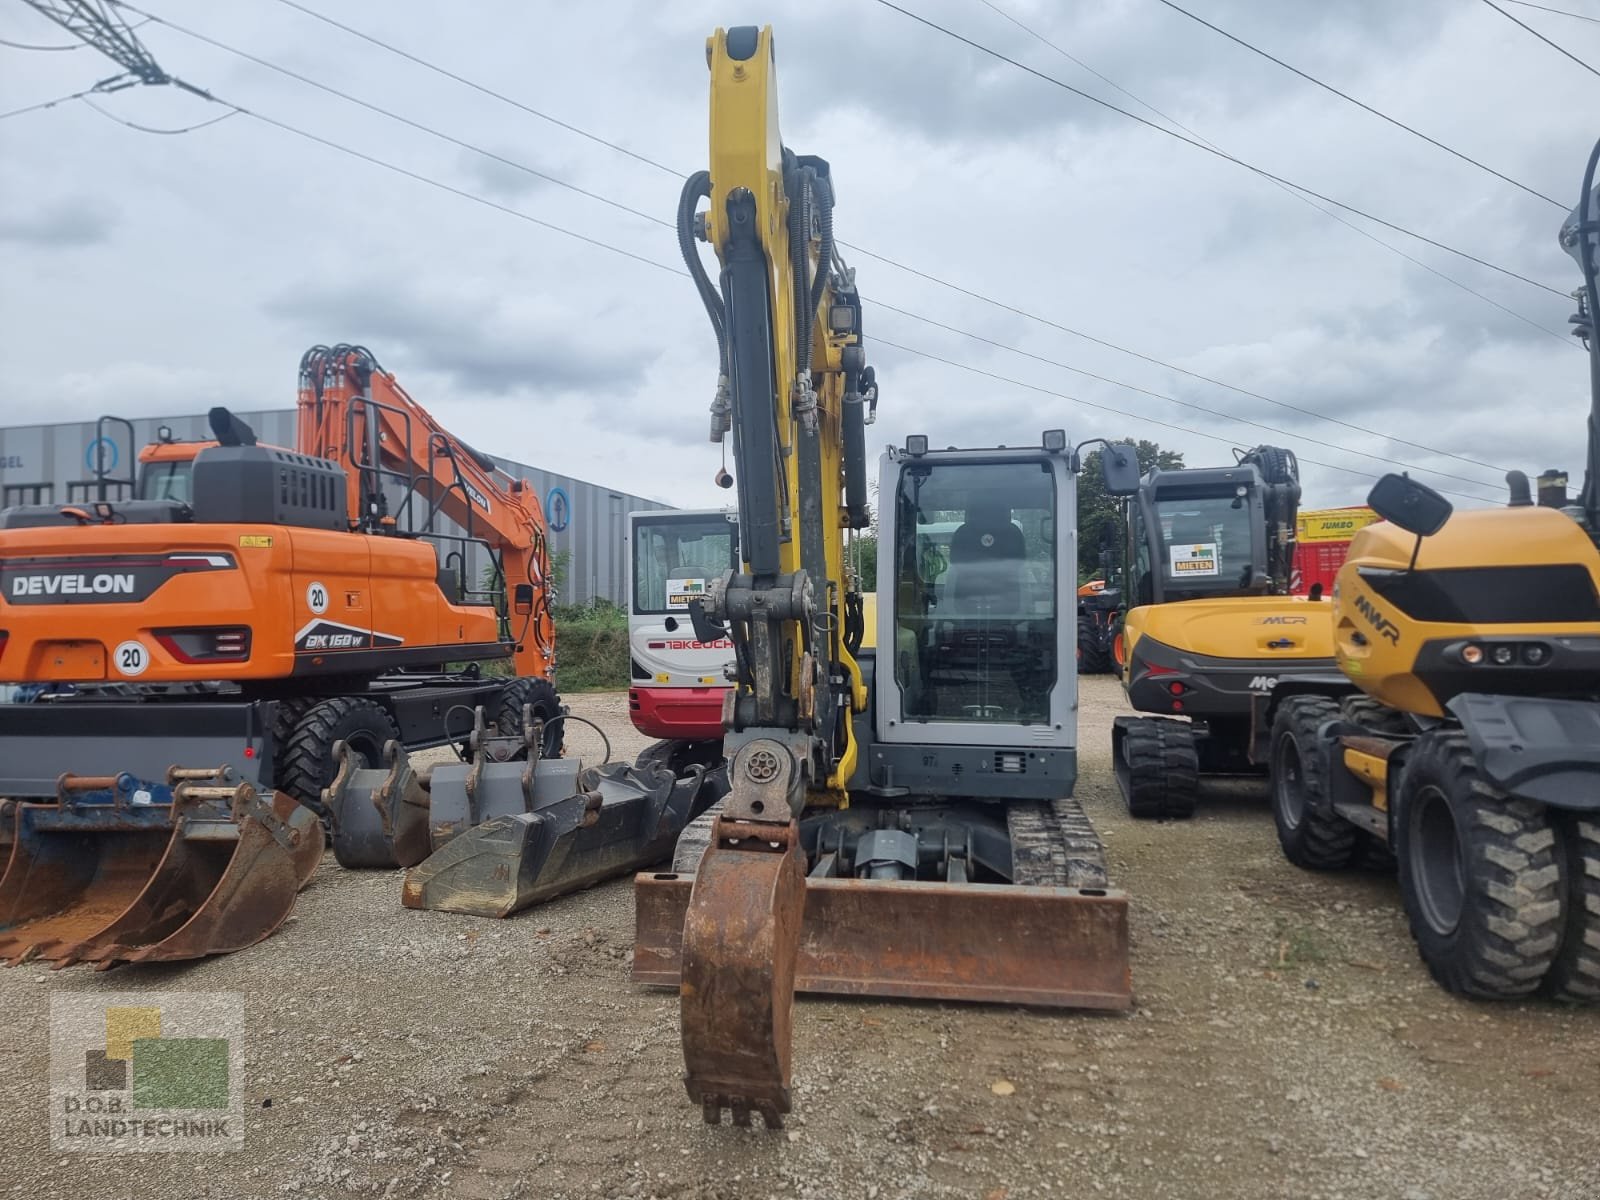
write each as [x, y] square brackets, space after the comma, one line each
[987, 563]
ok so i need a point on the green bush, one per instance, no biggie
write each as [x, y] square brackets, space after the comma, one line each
[591, 647]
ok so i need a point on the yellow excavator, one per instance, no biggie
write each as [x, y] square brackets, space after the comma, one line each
[1462, 727]
[897, 820]
[1208, 628]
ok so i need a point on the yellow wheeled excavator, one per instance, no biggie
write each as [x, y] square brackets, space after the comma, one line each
[898, 819]
[1462, 727]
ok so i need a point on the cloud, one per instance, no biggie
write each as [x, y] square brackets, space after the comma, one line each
[62, 225]
[480, 345]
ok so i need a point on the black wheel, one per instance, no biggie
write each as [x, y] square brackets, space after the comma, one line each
[541, 694]
[1159, 772]
[1478, 873]
[1374, 856]
[307, 765]
[287, 716]
[1576, 973]
[1094, 656]
[1277, 465]
[1310, 836]
[1374, 717]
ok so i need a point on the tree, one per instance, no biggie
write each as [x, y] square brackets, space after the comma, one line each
[1099, 518]
[863, 555]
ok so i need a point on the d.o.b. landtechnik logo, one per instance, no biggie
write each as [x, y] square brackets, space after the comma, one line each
[146, 1071]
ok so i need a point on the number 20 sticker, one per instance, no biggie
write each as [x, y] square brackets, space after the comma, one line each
[130, 658]
[317, 598]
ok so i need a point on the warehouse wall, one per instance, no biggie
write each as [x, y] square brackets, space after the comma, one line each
[55, 464]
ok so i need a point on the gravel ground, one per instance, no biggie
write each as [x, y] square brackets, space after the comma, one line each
[1287, 1043]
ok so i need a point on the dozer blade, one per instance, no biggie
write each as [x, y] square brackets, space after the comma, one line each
[123, 871]
[736, 945]
[988, 943]
[512, 834]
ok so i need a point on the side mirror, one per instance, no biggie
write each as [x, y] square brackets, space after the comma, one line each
[1119, 467]
[1413, 506]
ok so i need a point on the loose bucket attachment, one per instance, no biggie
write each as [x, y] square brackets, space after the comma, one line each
[979, 942]
[122, 870]
[508, 829]
[379, 814]
[547, 829]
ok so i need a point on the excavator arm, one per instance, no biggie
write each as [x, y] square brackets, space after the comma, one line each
[407, 473]
[793, 396]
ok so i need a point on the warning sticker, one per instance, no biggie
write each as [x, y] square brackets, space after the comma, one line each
[681, 591]
[1194, 558]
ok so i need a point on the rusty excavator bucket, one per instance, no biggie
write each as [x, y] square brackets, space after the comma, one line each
[509, 829]
[119, 869]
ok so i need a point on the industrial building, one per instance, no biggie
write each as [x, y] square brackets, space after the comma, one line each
[56, 464]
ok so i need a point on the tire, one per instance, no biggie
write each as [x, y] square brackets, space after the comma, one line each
[1374, 856]
[540, 693]
[1276, 465]
[287, 717]
[1576, 973]
[1161, 774]
[307, 765]
[1312, 838]
[1375, 717]
[1479, 874]
[1094, 657]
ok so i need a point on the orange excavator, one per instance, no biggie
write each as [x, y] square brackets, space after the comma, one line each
[251, 608]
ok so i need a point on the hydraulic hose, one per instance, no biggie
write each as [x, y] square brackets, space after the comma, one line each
[825, 254]
[1586, 232]
[696, 187]
[799, 263]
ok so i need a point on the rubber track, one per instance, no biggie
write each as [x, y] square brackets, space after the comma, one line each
[694, 839]
[1163, 769]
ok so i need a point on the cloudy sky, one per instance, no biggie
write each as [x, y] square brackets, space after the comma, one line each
[147, 274]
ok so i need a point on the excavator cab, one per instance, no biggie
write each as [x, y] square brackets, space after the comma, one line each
[974, 626]
[1205, 531]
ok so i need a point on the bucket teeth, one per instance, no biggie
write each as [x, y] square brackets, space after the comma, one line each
[193, 866]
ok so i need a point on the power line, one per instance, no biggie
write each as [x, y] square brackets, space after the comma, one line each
[1044, 391]
[1328, 87]
[217, 44]
[481, 88]
[1198, 145]
[1285, 188]
[1560, 12]
[1153, 361]
[17, 112]
[1554, 46]
[476, 198]
[1199, 408]
[479, 199]
[149, 129]
[923, 275]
